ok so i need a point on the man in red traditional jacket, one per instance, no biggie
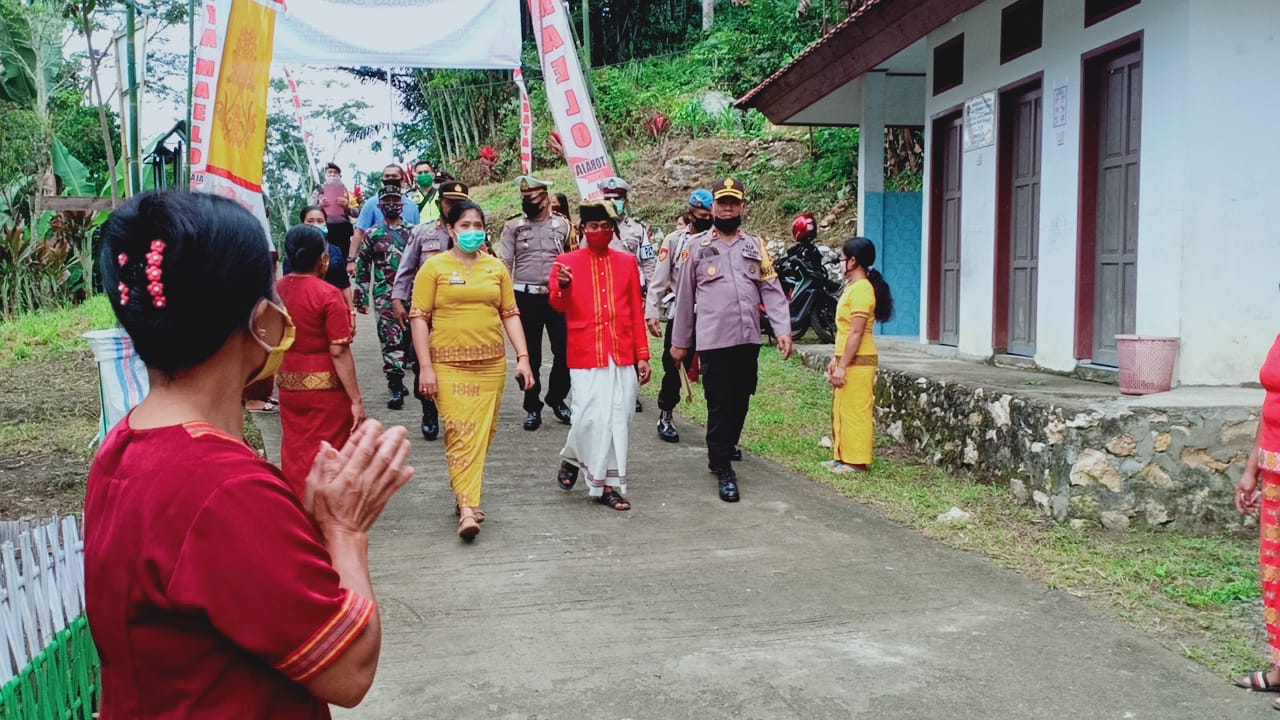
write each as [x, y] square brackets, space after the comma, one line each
[598, 290]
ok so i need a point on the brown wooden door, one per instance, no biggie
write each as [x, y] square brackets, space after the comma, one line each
[1024, 222]
[949, 267]
[1119, 140]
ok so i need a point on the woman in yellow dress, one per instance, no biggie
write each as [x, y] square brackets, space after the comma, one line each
[463, 299]
[852, 371]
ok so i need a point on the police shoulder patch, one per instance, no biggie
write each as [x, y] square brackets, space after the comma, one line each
[663, 254]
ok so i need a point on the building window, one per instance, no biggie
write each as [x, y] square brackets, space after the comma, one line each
[1095, 11]
[948, 64]
[1021, 29]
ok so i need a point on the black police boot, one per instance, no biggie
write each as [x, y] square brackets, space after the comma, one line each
[737, 454]
[561, 411]
[728, 484]
[666, 428]
[398, 393]
[639, 407]
[533, 420]
[430, 421]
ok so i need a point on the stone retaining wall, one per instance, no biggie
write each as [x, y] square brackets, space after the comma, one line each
[1107, 462]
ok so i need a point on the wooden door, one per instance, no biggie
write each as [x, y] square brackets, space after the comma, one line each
[1024, 222]
[1119, 106]
[949, 231]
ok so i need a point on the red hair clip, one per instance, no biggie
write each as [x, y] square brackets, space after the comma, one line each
[155, 272]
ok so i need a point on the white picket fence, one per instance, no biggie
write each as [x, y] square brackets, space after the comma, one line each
[41, 588]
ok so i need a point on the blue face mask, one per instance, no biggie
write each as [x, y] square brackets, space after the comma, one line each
[322, 228]
[620, 206]
[471, 241]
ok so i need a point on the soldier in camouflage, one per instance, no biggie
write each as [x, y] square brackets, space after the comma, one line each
[377, 260]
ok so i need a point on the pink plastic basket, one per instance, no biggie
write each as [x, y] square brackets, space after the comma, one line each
[1146, 363]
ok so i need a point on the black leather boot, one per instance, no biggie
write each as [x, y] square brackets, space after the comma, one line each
[666, 428]
[430, 421]
[398, 393]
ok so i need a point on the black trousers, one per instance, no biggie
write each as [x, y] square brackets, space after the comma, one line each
[411, 361]
[669, 394]
[728, 381]
[536, 315]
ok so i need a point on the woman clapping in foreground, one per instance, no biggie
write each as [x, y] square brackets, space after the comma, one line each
[213, 589]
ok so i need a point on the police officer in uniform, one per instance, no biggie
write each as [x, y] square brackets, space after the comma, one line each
[633, 235]
[427, 239]
[721, 287]
[529, 246]
[661, 297]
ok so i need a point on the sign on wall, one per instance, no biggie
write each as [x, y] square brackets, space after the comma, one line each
[1059, 103]
[980, 121]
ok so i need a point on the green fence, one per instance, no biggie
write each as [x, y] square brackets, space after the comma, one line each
[49, 668]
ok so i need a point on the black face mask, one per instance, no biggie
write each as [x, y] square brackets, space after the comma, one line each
[392, 212]
[728, 225]
[530, 207]
[702, 224]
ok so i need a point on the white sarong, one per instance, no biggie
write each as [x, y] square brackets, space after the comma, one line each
[603, 403]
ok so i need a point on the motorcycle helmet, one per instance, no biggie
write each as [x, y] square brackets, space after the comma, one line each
[804, 228]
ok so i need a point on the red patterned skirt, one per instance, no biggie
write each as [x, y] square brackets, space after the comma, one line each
[306, 418]
[1270, 559]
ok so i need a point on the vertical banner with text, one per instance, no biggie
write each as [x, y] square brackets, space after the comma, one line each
[526, 124]
[567, 95]
[229, 107]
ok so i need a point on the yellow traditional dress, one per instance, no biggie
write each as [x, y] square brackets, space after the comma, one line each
[466, 304]
[853, 406]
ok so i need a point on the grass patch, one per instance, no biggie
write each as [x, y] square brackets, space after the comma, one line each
[49, 410]
[1197, 595]
[51, 334]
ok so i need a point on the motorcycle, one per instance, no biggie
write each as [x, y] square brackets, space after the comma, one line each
[812, 293]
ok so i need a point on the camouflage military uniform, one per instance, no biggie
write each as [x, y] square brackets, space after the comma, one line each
[377, 262]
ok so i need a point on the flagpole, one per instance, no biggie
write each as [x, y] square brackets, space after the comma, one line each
[191, 85]
[131, 68]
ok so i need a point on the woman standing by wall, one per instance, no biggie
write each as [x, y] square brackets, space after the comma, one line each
[320, 398]
[852, 372]
[463, 299]
[1259, 491]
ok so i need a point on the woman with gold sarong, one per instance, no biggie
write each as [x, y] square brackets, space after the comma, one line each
[1259, 491]
[463, 299]
[852, 372]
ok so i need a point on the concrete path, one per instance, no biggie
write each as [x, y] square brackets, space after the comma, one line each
[794, 603]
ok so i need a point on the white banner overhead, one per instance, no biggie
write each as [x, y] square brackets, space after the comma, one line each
[470, 34]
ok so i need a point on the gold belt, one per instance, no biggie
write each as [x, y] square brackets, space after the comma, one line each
[866, 360]
[326, 380]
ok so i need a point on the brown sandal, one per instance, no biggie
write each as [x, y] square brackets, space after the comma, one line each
[479, 514]
[612, 499]
[1257, 682]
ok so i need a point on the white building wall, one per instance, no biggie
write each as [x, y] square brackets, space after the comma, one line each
[1230, 303]
[1165, 162]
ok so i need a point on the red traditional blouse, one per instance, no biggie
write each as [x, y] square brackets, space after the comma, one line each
[210, 593]
[603, 309]
[322, 319]
[1269, 434]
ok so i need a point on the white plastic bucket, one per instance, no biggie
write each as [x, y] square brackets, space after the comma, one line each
[122, 376]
